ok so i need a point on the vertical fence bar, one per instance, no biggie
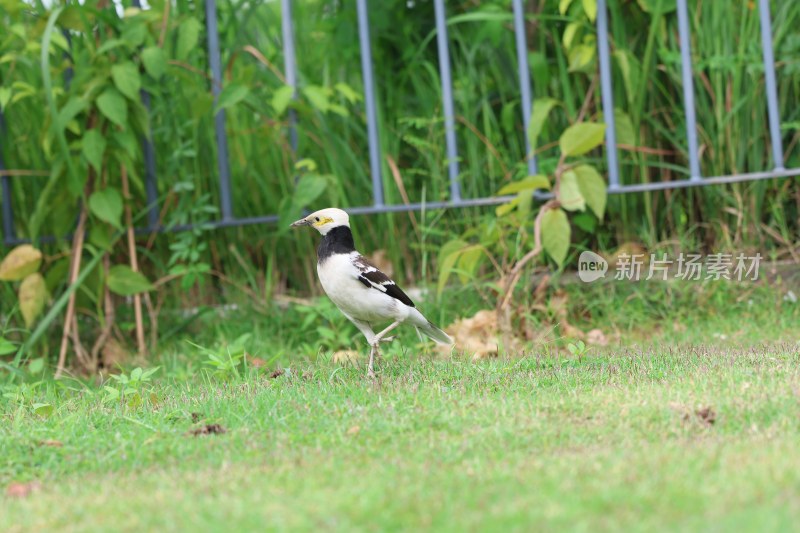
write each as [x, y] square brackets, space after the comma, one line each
[524, 80]
[150, 185]
[688, 90]
[369, 103]
[290, 65]
[447, 99]
[151, 189]
[9, 235]
[219, 118]
[607, 94]
[772, 86]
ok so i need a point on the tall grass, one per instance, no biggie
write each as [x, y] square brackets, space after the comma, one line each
[731, 114]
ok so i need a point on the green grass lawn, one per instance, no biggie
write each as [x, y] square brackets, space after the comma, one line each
[688, 420]
[694, 437]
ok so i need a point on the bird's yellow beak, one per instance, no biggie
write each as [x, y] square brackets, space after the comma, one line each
[301, 222]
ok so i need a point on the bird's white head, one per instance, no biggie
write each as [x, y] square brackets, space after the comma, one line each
[324, 220]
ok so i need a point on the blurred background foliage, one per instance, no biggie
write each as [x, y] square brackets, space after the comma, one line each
[165, 44]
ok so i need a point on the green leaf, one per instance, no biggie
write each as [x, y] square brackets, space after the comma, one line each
[110, 45]
[448, 255]
[623, 127]
[504, 209]
[563, 5]
[5, 97]
[32, 297]
[469, 260]
[7, 347]
[307, 164]
[43, 409]
[232, 94]
[36, 366]
[282, 98]
[100, 236]
[134, 32]
[630, 69]
[309, 188]
[556, 235]
[20, 263]
[569, 34]
[339, 110]
[93, 145]
[580, 58]
[71, 109]
[585, 221]
[593, 189]
[590, 8]
[569, 193]
[154, 60]
[536, 181]
[126, 140]
[124, 281]
[113, 106]
[188, 32]
[349, 94]
[318, 96]
[582, 137]
[106, 205]
[539, 114]
[126, 78]
[525, 201]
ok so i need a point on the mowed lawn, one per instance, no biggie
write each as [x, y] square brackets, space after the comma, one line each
[690, 438]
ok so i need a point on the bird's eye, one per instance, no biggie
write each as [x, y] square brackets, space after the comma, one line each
[316, 218]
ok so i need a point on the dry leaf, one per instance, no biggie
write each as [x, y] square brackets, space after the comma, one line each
[477, 335]
[354, 430]
[20, 262]
[346, 356]
[630, 249]
[257, 362]
[114, 354]
[558, 307]
[380, 259]
[597, 338]
[32, 297]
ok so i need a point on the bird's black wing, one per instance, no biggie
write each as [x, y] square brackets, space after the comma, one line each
[373, 278]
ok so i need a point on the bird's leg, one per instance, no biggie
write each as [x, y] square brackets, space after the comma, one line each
[379, 337]
[375, 345]
[371, 366]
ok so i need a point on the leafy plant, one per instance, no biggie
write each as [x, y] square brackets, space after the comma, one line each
[578, 349]
[225, 362]
[22, 265]
[131, 389]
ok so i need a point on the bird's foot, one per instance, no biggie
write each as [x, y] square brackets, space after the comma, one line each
[371, 365]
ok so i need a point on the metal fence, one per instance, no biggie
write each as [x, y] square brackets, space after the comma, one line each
[228, 218]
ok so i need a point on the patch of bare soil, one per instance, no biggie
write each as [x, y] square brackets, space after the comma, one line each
[705, 416]
[208, 429]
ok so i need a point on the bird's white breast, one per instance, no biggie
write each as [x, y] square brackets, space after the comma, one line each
[339, 278]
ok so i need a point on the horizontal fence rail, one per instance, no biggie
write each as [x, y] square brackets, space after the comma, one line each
[229, 219]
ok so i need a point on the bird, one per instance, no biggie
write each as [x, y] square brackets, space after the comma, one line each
[364, 294]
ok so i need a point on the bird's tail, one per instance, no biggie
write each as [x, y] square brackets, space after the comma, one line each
[436, 334]
[424, 325]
